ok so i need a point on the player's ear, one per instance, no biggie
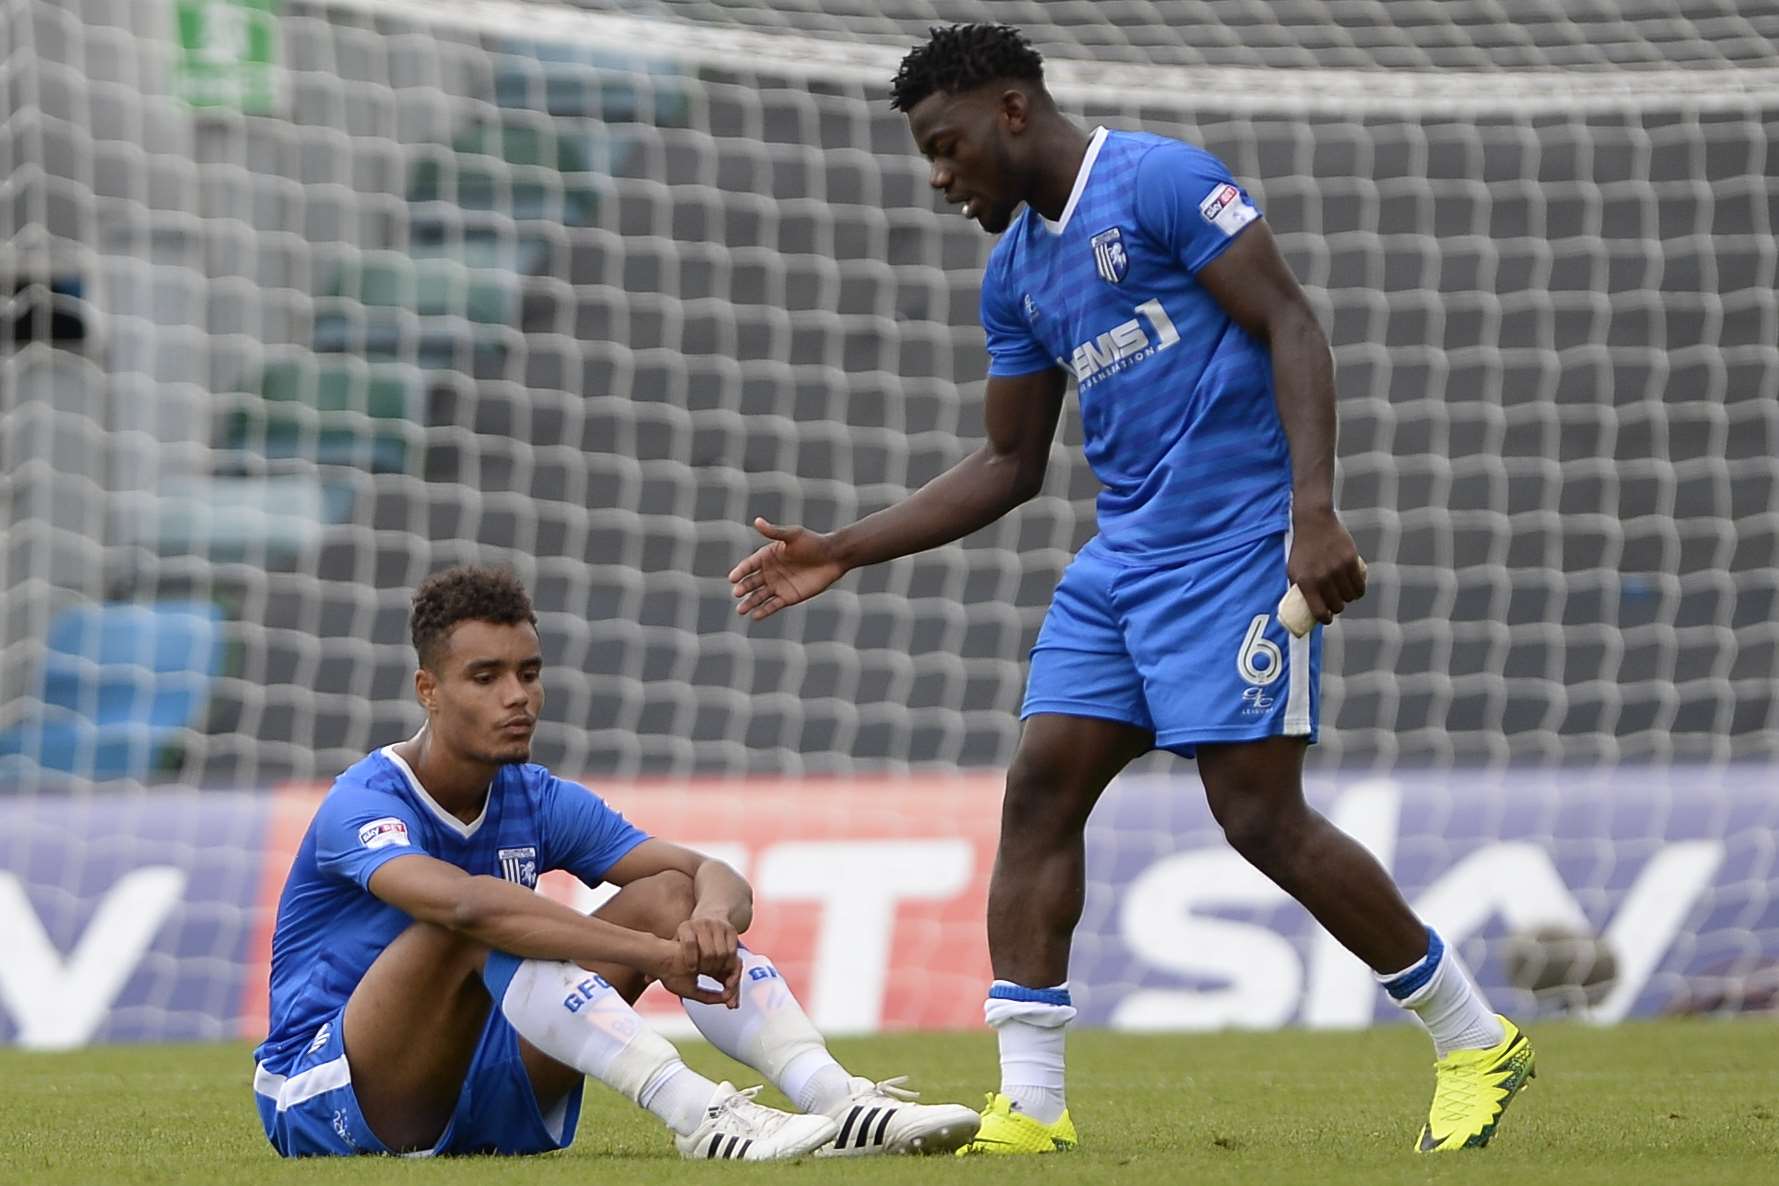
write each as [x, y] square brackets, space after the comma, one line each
[1015, 110]
[426, 687]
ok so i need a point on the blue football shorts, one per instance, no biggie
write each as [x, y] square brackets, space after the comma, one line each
[1192, 652]
[310, 1110]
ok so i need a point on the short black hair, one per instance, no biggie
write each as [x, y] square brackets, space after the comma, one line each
[465, 593]
[961, 58]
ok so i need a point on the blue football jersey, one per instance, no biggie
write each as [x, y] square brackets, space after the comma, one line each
[331, 927]
[1176, 400]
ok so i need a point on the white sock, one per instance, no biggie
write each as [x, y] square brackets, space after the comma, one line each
[1439, 991]
[678, 1095]
[1032, 1025]
[770, 1032]
[815, 1082]
[579, 1020]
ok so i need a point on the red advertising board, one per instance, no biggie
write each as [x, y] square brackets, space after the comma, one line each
[853, 879]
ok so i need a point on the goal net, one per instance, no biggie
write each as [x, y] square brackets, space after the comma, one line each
[311, 298]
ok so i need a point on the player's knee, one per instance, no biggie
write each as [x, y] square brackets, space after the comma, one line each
[657, 904]
[441, 949]
[1250, 834]
[1264, 832]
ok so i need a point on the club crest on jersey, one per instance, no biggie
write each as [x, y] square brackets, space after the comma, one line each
[519, 865]
[1109, 257]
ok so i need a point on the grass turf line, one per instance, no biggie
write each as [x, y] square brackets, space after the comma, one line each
[1656, 1103]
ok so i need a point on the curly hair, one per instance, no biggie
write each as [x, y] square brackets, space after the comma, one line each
[961, 58]
[465, 594]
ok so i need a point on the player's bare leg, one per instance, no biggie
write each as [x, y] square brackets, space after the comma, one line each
[1034, 903]
[413, 1023]
[411, 1029]
[1062, 766]
[1255, 790]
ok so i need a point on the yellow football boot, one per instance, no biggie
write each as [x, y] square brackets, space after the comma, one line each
[1006, 1131]
[1471, 1089]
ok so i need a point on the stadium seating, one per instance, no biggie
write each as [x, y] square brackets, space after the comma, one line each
[332, 411]
[647, 300]
[119, 682]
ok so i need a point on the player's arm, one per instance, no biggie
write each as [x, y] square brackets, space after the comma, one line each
[1255, 286]
[508, 917]
[1020, 417]
[723, 901]
[718, 890]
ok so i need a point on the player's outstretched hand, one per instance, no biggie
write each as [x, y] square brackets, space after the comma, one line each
[793, 566]
[1324, 564]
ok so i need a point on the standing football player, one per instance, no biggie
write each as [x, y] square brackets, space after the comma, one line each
[426, 1000]
[1137, 265]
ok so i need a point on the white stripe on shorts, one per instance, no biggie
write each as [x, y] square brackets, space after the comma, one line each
[1297, 700]
[306, 1086]
[1297, 697]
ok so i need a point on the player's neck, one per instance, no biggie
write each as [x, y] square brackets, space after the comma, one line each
[1063, 147]
[456, 783]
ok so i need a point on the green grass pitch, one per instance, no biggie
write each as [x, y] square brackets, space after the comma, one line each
[1657, 1103]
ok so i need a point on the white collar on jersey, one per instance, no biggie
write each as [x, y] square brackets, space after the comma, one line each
[444, 817]
[1068, 212]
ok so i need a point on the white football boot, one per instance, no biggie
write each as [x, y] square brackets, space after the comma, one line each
[883, 1118]
[737, 1129]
